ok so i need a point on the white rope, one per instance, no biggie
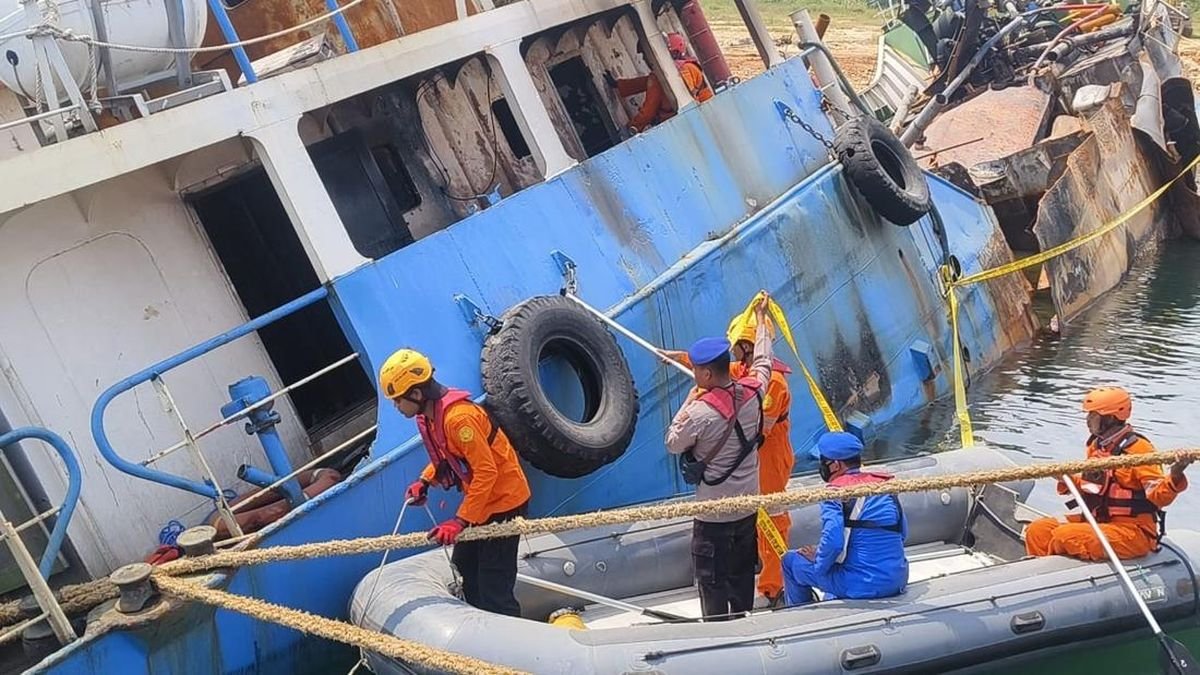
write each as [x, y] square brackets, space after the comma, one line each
[69, 35]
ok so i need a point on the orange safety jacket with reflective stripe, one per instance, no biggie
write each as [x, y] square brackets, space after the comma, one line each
[1135, 495]
[468, 451]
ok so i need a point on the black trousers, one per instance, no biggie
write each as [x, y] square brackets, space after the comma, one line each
[725, 556]
[489, 569]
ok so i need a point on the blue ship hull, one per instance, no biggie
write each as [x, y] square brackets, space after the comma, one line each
[673, 231]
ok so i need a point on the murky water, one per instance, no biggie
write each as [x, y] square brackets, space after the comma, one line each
[1144, 336]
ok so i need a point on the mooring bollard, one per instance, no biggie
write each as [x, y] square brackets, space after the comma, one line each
[133, 582]
[197, 541]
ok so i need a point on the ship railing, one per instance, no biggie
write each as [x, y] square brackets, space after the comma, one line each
[35, 575]
[84, 106]
[282, 477]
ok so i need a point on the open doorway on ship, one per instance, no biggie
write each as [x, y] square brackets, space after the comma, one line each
[588, 114]
[265, 261]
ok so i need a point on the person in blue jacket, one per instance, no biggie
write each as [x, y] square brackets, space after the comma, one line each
[861, 552]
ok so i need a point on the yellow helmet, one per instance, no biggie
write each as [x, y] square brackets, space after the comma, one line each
[747, 332]
[402, 371]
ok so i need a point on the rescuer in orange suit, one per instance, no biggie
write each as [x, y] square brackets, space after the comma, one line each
[1127, 503]
[775, 457]
[656, 107]
[467, 451]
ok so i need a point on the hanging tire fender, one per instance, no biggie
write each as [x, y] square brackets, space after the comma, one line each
[556, 327]
[882, 170]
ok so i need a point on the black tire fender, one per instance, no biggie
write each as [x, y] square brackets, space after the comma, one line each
[882, 170]
[549, 440]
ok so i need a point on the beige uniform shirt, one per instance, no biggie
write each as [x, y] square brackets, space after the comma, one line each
[698, 427]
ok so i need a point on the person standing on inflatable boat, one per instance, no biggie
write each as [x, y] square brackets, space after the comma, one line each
[469, 452]
[717, 434]
[861, 552]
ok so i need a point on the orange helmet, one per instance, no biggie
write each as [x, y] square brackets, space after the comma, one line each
[1113, 401]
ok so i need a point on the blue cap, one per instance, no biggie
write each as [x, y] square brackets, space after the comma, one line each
[839, 445]
[707, 350]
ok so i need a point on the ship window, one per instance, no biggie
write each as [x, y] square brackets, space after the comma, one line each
[503, 116]
[573, 82]
[370, 189]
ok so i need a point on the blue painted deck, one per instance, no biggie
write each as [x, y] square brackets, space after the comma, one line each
[675, 230]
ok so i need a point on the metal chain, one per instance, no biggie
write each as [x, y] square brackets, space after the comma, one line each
[791, 115]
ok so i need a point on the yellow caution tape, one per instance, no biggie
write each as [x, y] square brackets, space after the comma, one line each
[780, 319]
[1078, 241]
[960, 390]
[766, 527]
[966, 432]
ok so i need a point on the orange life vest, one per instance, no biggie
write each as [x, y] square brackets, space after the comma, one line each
[1108, 499]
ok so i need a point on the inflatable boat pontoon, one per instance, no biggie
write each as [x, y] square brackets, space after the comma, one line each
[972, 598]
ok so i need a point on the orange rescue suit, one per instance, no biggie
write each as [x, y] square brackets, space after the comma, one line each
[495, 483]
[1130, 525]
[775, 461]
[656, 107]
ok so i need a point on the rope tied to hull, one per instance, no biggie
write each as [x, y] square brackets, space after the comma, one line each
[682, 509]
[85, 596]
[310, 624]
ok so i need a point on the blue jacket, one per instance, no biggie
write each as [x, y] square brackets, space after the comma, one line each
[875, 565]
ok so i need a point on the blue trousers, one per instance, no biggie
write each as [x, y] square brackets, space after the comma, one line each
[800, 577]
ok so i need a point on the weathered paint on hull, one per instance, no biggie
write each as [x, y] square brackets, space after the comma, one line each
[859, 292]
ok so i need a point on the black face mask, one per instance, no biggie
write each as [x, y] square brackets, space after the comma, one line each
[826, 470]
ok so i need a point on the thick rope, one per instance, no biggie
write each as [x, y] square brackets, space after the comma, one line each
[83, 597]
[681, 509]
[311, 624]
[75, 599]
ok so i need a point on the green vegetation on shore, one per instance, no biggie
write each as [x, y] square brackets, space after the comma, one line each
[775, 12]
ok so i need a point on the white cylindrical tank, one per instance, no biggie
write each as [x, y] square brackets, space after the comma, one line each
[131, 22]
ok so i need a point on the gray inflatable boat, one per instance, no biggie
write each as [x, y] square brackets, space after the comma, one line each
[971, 600]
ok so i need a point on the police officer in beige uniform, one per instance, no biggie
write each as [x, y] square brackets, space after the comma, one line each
[717, 433]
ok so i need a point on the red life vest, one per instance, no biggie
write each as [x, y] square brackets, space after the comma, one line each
[1104, 496]
[721, 398]
[450, 471]
[852, 508]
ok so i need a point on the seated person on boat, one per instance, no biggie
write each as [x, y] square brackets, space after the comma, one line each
[467, 451]
[1127, 503]
[861, 552]
[717, 433]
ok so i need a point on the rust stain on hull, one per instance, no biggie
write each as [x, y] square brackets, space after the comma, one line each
[1105, 176]
[370, 22]
[1008, 120]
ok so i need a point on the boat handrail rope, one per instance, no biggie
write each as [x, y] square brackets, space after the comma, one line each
[209, 487]
[35, 575]
[670, 510]
[81, 597]
[951, 286]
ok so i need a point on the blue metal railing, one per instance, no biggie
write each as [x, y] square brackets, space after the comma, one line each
[101, 436]
[74, 483]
